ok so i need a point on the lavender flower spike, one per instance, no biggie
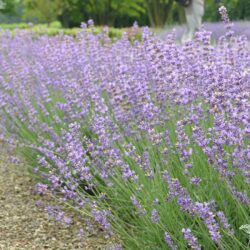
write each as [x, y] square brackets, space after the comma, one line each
[191, 239]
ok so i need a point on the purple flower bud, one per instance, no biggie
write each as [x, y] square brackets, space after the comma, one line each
[169, 241]
[191, 239]
[41, 188]
[155, 216]
[196, 181]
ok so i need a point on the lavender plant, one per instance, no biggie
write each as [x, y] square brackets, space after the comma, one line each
[240, 28]
[148, 139]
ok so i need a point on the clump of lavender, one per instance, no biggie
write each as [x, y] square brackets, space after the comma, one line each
[58, 215]
[142, 138]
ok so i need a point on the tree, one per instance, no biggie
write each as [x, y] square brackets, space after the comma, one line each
[158, 11]
[107, 11]
[44, 10]
[103, 12]
[242, 10]
[237, 9]
[8, 6]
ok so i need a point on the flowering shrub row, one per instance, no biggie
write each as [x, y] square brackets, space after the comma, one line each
[240, 28]
[150, 139]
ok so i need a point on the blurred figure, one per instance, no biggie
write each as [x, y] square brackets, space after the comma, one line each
[194, 11]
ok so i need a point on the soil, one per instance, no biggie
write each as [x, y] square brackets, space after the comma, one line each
[26, 226]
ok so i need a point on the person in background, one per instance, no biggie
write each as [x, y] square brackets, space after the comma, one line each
[194, 11]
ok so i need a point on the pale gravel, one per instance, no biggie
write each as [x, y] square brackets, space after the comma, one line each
[24, 226]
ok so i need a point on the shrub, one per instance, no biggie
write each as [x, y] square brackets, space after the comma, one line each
[56, 29]
[150, 138]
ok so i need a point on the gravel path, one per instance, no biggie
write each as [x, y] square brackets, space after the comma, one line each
[24, 226]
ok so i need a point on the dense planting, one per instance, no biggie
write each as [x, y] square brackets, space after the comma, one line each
[56, 29]
[150, 139]
[240, 28]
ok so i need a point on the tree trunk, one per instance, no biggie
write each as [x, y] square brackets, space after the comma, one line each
[64, 19]
[158, 12]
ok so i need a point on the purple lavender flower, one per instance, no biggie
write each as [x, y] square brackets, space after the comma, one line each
[224, 15]
[41, 188]
[101, 217]
[91, 116]
[155, 218]
[224, 222]
[169, 241]
[196, 181]
[191, 239]
[138, 206]
[156, 201]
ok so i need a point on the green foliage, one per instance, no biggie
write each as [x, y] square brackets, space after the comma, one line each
[241, 10]
[55, 28]
[23, 25]
[176, 15]
[116, 13]
[108, 12]
[237, 9]
[158, 11]
[135, 228]
[128, 225]
[8, 6]
[44, 10]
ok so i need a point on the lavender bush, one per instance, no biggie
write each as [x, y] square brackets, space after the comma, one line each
[240, 28]
[148, 139]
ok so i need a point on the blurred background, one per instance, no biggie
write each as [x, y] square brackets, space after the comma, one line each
[67, 15]
[115, 13]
